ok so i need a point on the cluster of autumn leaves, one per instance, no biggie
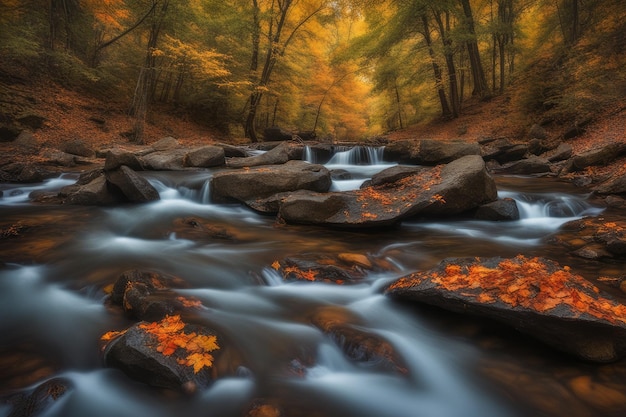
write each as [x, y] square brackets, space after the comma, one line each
[170, 336]
[530, 283]
[391, 199]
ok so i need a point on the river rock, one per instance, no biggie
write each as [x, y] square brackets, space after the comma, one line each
[166, 160]
[314, 268]
[24, 173]
[357, 343]
[503, 151]
[169, 353]
[262, 182]
[58, 158]
[38, 401]
[594, 237]
[78, 147]
[393, 174]
[527, 166]
[280, 154]
[563, 152]
[616, 184]
[459, 186]
[96, 192]
[165, 144]
[134, 187]
[232, 151]
[599, 156]
[115, 158]
[536, 296]
[196, 229]
[149, 295]
[502, 209]
[428, 151]
[205, 157]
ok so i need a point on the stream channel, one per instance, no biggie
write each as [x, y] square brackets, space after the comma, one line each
[53, 310]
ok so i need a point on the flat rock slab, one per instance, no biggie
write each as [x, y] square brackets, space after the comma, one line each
[536, 296]
[247, 184]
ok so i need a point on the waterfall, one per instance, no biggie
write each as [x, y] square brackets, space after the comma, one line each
[344, 155]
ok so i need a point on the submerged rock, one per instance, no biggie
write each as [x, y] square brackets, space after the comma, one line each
[39, 400]
[149, 295]
[535, 296]
[357, 343]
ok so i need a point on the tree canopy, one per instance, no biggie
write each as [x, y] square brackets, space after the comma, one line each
[344, 70]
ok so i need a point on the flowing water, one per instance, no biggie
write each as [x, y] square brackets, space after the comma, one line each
[53, 311]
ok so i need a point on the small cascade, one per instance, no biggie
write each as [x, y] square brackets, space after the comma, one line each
[344, 155]
[540, 206]
[358, 155]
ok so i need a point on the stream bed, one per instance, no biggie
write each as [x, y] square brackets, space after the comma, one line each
[53, 310]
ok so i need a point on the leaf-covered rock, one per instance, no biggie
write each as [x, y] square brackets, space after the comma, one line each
[536, 296]
[168, 353]
[451, 189]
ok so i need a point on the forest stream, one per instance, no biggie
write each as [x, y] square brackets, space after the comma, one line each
[53, 307]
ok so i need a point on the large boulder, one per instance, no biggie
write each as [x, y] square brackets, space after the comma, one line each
[134, 187]
[450, 189]
[428, 151]
[280, 154]
[251, 184]
[205, 157]
[165, 160]
[115, 158]
[91, 190]
[536, 296]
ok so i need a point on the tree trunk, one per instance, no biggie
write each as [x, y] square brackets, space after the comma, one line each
[448, 53]
[399, 104]
[478, 74]
[443, 100]
[274, 51]
[147, 77]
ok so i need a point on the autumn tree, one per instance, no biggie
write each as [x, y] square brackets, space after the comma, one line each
[285, 19]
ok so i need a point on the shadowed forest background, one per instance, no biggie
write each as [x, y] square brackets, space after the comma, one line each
[344, 70]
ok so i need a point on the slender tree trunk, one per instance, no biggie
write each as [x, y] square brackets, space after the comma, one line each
[256, 36]
[147, 77]
[398, 103]
[275, 50]
[448, 53]
[478, 74]
[443, 100]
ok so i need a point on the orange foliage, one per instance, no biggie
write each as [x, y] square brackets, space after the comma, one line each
[189, 302]
[171, 337]
[522, 282]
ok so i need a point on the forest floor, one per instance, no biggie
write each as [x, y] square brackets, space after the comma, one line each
[69, 115]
